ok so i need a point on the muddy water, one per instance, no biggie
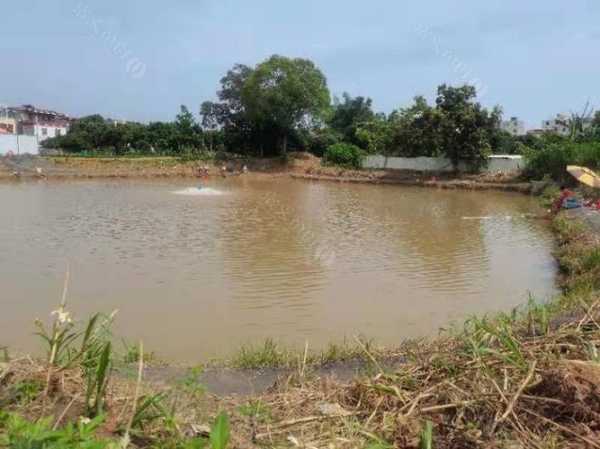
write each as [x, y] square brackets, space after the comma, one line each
[198, 275]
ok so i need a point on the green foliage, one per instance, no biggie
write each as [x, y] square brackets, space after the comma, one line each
[220, 432]
[24, 392]
[104, 136]
[415, 130]
[282, 94]
[344, 155]
[94, 354]
[591, 259]
[456, 127]
[151, 408]
[267, 355]
[256, 410]
[426, 436]
[347, 116]
[191, 382]
[464, 125]
[322, 138]
[96, 367]
[22, 434]
[552, 158]
[131, 353]
[375, 136]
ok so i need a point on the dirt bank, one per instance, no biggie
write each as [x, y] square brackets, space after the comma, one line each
[298, 165]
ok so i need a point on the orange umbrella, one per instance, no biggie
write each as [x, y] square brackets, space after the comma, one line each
[585, 176]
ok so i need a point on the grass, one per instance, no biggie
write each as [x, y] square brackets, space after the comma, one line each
[270, 354]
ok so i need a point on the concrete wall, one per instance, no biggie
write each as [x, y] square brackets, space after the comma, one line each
[496, 163]
[18, 144]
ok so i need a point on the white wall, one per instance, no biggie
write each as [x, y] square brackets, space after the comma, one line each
[496, 163]
[18, 144]
[51, 131]
[38, 131]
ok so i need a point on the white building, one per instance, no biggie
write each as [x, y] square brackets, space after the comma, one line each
[41, 123]
[514, 126]
[557, 125]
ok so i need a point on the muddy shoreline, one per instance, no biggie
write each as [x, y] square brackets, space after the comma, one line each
[299, 166]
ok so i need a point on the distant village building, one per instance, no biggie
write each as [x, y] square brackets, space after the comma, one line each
[41, 123]
[539, 132]
[557, 125]
[514, 126]
[8, 122]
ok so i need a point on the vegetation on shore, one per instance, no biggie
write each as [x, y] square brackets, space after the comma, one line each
[284, 104]
[527, 378]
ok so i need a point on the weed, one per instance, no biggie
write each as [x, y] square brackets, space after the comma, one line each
[426, 436]
[131, 353]
[5, 356]
[538, 321]
[269, 355]
[591, 260]
[256, 410]
[26, 391]
[97, 368]
[191, 384]
[22, 434]
[220, 432]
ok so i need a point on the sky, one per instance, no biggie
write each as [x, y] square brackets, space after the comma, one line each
[141, 59]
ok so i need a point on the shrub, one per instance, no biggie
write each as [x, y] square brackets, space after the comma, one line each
[552, 159]
[321, 139]
[344, 155]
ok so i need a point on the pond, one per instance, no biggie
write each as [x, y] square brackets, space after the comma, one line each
[197, 276]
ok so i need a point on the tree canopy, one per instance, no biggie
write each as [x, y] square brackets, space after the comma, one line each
[285, 94]
[285, 103]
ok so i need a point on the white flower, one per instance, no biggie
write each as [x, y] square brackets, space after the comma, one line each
[84, 420]
[62, 316]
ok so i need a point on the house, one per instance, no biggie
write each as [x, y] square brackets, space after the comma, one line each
[538, 132]
[41, 123]
[557, 125]
[8, 123]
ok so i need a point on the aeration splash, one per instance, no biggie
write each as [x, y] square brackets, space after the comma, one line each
[199, 191]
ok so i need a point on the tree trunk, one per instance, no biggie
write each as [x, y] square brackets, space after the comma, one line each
[284, 149]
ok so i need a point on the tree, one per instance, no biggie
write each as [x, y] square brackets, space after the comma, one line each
[415, 130]
[464, 125]
[375, 135]
[282, 94]
[229, 113]
[347, 116]
[189, 134]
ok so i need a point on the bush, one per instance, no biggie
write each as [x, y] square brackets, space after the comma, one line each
[321, 139]
[552, 159]
[344, 155]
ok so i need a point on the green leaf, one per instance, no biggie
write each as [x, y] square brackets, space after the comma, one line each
[219, 434]
[426, 438]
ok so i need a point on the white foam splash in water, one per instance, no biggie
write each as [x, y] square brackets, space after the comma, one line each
[199, 191]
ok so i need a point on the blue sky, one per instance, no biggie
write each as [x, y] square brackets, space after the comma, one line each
[141, 59]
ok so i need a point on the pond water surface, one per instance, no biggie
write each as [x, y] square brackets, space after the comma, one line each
[197, 276]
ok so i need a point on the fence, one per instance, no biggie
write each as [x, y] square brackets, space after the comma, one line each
[496, 163]
[18, 144]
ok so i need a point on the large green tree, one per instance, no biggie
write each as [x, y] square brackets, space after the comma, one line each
[229, 113]
[464, 126]
[282, 94]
